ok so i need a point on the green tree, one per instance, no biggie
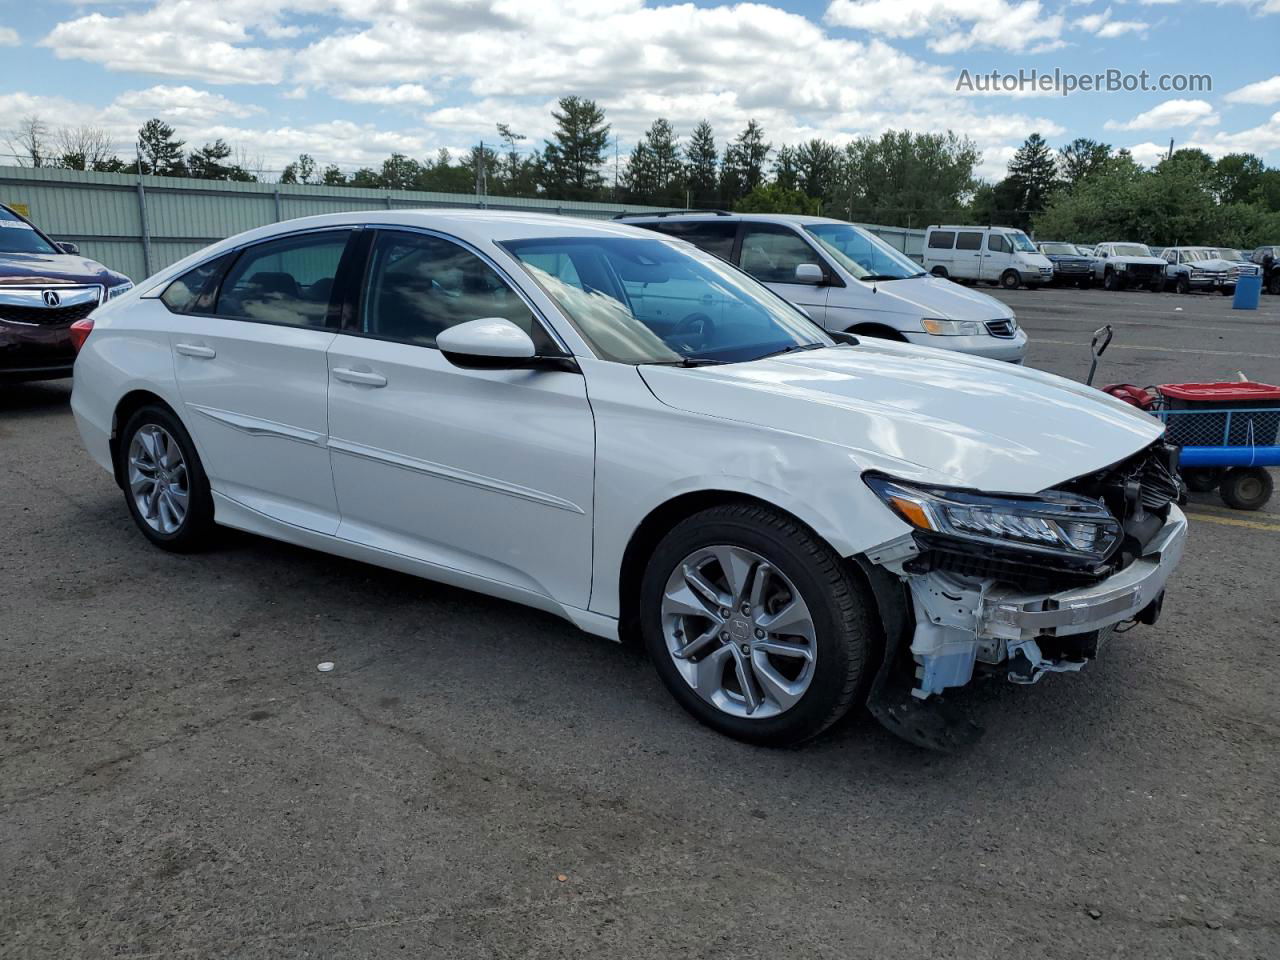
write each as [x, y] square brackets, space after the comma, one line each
[365, 177]
[1032, 179]
[211, 162]
[1238, 178]
[655, 173]
[701, 166]
[786, 172]
[743, 167]
[774, 198]
[817, 163]
[333, 177]
[572, 160]
[399, 172]
[1081, 158]
[905, 178]
[158, 149]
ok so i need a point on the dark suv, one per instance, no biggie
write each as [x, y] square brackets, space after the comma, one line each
[44, 288]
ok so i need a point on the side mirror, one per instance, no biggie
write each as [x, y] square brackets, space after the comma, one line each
[495, 343]
[810, 273]
[67, 247]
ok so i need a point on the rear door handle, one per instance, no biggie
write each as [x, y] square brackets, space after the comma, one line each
[195, 350]
[365, 378]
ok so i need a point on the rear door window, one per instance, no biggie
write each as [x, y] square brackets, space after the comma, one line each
[942, 239]
[969, 240]
[287, 281]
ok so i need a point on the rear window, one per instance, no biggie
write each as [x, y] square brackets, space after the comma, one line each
[942, 239]
[712, 236]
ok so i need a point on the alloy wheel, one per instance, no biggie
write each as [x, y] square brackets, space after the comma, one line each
[739, 632]
[158, 479]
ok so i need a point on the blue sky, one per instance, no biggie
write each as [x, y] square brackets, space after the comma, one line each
[349, 81]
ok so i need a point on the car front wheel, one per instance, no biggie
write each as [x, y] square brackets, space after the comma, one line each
[1010, 280]
[165, 486]
[755, 625]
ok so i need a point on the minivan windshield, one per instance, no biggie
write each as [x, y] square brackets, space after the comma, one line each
[636, 300]
[1021, 242]
[18, 236]
[863, 254]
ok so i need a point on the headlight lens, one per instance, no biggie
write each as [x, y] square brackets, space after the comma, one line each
[952, 328]
[118, 290]
[1061, 524]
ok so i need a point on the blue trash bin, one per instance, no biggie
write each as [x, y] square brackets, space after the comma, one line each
[1248, 293]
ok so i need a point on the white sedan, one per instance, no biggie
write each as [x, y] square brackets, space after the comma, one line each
[612, 425]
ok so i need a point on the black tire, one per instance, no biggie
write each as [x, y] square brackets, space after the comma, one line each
[1111, 281]
[1033, 286]
[837, 604]
[1183, 285]
[1246, 488]
[1273, 285]
[1010, 280]
[1201, 479]
[1085, 283]
[1156, 286]
[941, 272]
[196, 529]
[1227, 291]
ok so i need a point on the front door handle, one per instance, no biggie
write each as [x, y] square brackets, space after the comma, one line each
[195, 350]
[365, 378]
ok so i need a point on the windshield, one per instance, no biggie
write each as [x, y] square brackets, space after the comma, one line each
[1226, 253]
[1021, 242]
[1202, 253]
[1131, 250]
[1062, 249]
[864, 255]
[637, 300]
[17, 236]
[1083, 250]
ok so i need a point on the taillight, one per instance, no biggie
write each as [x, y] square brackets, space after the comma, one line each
[80, 331]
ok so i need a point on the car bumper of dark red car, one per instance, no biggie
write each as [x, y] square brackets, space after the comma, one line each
[35, 352]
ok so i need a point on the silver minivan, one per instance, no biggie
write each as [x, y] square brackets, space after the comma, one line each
[848, 279]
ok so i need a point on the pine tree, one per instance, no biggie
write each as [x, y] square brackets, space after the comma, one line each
[752, 153]
[1081, 157]
[817, 167]
[160, 153]
[1033, 176]
[786, 173]
[701, 164]
[573, 159]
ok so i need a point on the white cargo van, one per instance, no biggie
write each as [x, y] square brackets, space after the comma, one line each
[1000, 255]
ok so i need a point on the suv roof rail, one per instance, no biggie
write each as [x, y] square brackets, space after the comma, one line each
[670, 213]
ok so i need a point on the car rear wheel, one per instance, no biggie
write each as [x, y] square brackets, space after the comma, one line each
[1183, 285]
[1010, 280]
[165, 486]
[1273, 285]
[755, 625]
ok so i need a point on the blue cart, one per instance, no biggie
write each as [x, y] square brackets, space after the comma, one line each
[1228, 435]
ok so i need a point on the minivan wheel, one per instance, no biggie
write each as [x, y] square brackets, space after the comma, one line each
[755, 625]
[940, 272]
[165, 486]
[1010, 280]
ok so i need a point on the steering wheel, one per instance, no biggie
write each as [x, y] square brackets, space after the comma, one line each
[696, 326]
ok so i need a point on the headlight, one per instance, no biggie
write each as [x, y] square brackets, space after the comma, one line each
[1122, 266]
[952, 328]
[123, 288]
[1054, 523]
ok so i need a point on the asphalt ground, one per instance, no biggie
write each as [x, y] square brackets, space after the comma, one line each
[476, 779]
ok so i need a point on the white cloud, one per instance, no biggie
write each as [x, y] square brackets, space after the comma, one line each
[1171, 113]
[954, 25]
[1263, 139]
[406, 94]
[181, 105]
[1149, 154]
[1102, 25]
[1264, 92]
[9, 37]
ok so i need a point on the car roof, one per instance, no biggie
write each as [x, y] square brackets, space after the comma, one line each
[720, 217]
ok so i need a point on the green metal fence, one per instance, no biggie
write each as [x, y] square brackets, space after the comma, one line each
[139, 225]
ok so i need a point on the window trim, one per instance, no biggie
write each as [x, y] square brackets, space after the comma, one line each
[352, 303]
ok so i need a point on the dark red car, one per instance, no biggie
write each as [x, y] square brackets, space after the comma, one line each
[45, 287]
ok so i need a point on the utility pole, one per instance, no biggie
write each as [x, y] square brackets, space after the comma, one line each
[482, 184]
[1170, 148]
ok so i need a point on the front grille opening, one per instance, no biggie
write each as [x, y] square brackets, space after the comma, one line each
[47, 316]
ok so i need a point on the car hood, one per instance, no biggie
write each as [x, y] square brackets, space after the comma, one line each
[1215, 265]
[922, 414]
[28, 268]
[934, 297]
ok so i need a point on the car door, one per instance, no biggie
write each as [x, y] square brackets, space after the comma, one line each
[487, 472]
[249, 357]
[967, 258]
[997, 258]
[771, 252]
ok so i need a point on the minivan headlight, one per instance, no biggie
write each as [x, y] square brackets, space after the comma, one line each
[1053, 523]
[952, 328]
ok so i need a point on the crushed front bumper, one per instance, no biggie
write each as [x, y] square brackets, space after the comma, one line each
[964, 620]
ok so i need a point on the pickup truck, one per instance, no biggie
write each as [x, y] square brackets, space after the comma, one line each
[1204, 268]
[1121, 265]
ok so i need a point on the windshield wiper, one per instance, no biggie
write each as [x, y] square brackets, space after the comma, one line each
[683, 362]
[881, 277]
[792, 348]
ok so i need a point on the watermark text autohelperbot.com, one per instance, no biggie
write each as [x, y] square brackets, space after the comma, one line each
[1064, 83]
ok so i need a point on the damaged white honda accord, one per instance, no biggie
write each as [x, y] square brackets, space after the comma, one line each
[615, 426]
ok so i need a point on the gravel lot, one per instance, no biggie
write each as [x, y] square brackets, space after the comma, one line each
[477, 779]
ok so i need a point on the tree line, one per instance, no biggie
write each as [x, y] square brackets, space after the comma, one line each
[1084, 191]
